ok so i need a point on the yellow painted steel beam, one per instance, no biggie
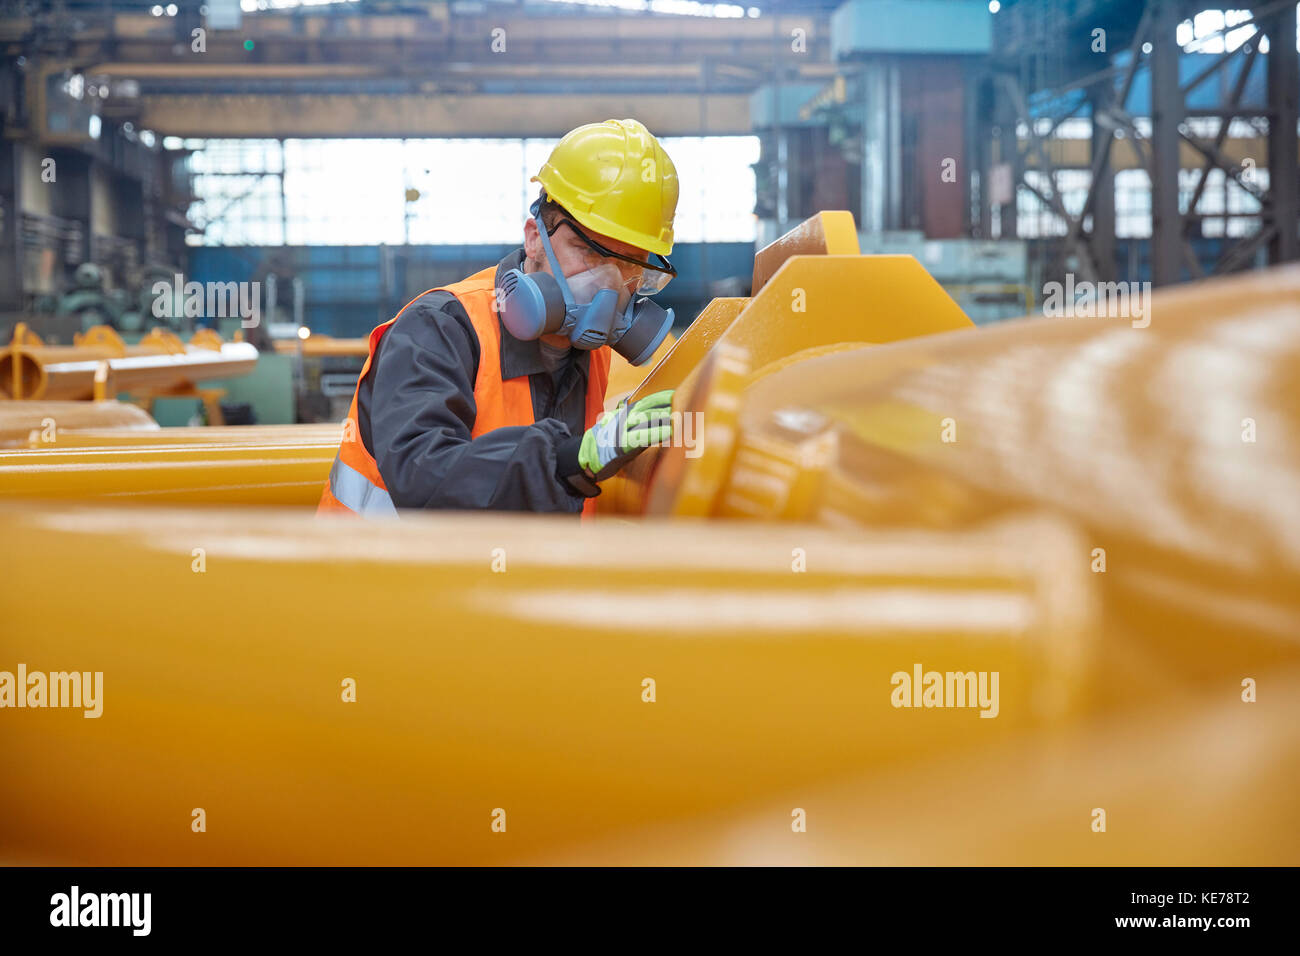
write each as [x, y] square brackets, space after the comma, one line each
[202, 474]
[49, 420]
[478, 690]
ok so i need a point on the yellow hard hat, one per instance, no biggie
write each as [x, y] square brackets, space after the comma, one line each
[615, 179]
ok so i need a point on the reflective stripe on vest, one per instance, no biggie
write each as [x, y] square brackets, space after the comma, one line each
[354, 491]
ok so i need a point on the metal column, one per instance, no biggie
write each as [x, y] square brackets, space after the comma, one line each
[11, 250]
[1101, 98]
[11, 271]
[1009, 152]
[881, 147]
[1166, 115]
[1283, 80]
[72, 198]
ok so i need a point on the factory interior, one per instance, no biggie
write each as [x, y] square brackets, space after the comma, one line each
[983, 352]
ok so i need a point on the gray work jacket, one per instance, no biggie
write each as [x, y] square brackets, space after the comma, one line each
[415, 411]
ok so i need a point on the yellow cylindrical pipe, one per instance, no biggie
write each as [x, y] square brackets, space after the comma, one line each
[1204, 781]
[500, 663]
[1169, 445]
[18, 420]
[284, 474]
[320, 346]
[25, 373]
[325, 433]
[1164, 431]
[153, 372]
[22, 375]
[1033, 412]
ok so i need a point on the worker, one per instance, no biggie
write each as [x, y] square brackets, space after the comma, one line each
[489, 393]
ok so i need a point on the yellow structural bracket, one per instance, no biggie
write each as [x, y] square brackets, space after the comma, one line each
[808, 304]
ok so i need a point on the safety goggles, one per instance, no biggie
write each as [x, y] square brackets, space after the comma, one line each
[642, 277]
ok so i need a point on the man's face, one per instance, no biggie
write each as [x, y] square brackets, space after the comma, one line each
[575, 256]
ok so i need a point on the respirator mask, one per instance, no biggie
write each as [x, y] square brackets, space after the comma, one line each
[591, 308]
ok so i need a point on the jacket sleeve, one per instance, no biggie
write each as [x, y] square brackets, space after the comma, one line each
[421, 412]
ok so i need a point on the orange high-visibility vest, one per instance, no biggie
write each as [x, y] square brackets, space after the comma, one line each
[355, 485]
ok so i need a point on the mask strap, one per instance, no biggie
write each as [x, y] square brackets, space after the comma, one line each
[556, 271]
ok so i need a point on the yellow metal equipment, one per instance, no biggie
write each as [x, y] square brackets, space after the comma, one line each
[1195, 782]
[813, 293]
[479, 689]
[190, 473]
[328, 433]
[825, 234]
[101, 365]
[21, 422]
[1101, 514]
[320, 346]
[624, 376]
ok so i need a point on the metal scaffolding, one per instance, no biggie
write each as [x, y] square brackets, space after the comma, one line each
[1031, 65]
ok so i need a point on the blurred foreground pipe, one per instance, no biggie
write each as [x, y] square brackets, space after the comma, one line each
[1171, 446]
[1200, 782]
[261, 474]
[1184, 428]
[583, 680]
[18, 420]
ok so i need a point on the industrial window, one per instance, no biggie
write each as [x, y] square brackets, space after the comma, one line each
[1034, 218]
[1227, 208]
[1133, 202]
[430, 191]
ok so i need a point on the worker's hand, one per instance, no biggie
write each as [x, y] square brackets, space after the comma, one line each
[624, 433]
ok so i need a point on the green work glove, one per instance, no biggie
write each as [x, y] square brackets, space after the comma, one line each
[624, 433]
